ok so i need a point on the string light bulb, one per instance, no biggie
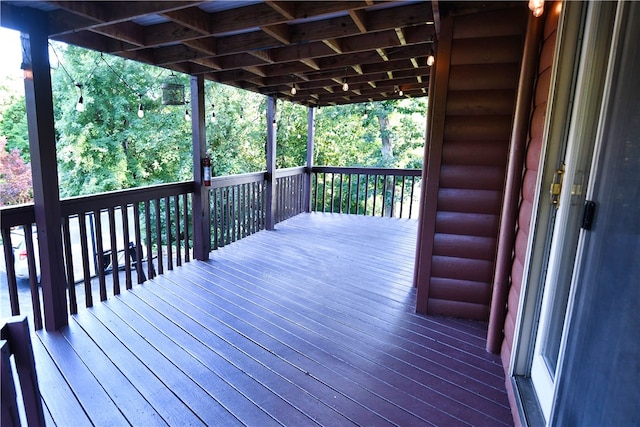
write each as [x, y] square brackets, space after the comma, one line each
[187, 117]
[80, 103]
[431, 59]
[213, 113]
[345, 85]
[293, 89]
[140, 109]
[537, 7]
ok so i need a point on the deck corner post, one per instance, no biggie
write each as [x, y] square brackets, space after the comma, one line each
[311, 129]
[201, 206]
[270, 153]
[44, 169]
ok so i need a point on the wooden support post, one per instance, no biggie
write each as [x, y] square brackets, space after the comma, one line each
[311, 131]
[201, 209]
[271, 164]
[44, 170]
[433, 158]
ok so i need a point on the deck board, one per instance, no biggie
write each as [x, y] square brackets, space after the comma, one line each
[310, 324]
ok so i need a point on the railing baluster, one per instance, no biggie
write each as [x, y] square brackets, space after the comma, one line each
[375, 193]
[240, 213]
[9, 261]
[281, 211]
[300, 193]
[315, 191]
[99, 254]
[147, 218]
[366, 193]
[225, 228]
[33, 276]
[324, 192]
[84, 247]
[393, 195]
[159, 236]
[167, 220]
[234, 215]
[224, 216]
[115, 277]
[243, 212]
[124, 212]
[358, 194]
[349, 191]
[215, 223]
[384, 194]
[413, 184]
[138, 237]
[185, 213]
[404, 178]
[262, 203]
[250, 208]
[330, 192]
[68, 260]
[177, 238]
[289, 198]
[340, 195]
[284, 197]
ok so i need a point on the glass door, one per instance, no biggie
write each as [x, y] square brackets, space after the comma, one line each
[567, 192]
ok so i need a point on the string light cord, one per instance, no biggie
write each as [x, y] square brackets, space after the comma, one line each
[73, 81]
[140, 94]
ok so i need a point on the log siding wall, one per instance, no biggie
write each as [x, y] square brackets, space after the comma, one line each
[530, 174]
[485, 60]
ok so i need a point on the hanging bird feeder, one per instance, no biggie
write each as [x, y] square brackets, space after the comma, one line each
[172, 91]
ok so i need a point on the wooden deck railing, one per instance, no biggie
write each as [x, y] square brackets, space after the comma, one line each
[121, 230]
[290, 191]
[366, 191]
[237, 207]
[143, 232]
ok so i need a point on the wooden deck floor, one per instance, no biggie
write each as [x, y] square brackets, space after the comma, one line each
[310, 324]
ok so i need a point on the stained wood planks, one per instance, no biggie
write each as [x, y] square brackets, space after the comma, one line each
[312, 323]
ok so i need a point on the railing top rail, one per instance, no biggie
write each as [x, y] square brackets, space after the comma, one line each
[298, 170]
[10, 216]
[367, 170]
[76, 205]
[229, 180]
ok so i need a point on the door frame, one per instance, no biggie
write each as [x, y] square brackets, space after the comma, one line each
[577, 85]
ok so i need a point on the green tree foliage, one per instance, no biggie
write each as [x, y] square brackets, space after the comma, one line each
[13, 117]
[107, 146]
[236, 136]
[374, 134]
[291, 135]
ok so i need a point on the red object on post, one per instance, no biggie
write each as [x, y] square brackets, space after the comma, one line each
[206, 171]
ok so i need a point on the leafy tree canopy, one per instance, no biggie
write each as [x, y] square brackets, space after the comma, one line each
[108, 147]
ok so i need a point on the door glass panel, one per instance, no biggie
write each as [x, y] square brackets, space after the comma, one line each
[556, 324]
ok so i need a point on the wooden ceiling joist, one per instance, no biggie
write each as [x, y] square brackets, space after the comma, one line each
[264, 46]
